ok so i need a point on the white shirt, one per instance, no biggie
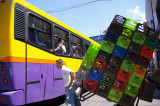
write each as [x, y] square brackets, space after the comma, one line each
[66, 75]
[63, 47]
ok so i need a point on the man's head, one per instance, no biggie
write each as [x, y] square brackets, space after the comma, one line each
[62, 41]
[59, 63]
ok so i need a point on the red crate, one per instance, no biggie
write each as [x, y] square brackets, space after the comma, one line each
[119, 85]
[147, 52]
[99, 65]
[90, 84]
[123, 75]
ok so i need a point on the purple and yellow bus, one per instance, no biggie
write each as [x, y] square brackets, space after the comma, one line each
[28, 37]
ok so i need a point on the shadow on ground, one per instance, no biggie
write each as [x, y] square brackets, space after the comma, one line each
[52, 102]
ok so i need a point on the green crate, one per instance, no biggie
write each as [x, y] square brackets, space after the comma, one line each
[131, 90]
[107, 46]
[107, 79]
[130, 24]
[114, 95]
[139, 38]
[87, 61]
[127, 66]
[135, 80]
[150, 42]
[123, 42]
[127, 32]
[93, 50]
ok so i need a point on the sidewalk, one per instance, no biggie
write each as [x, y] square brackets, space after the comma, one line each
[99, 101]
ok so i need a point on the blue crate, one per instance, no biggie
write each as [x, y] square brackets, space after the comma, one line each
[82, 73]
[111, 37]
[95, 75]
[119, 51]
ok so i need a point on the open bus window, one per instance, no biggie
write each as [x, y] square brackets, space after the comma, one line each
[61, 41]
[76, 46]
[39, 32]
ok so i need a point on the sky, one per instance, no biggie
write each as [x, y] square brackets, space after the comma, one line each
[95, 17]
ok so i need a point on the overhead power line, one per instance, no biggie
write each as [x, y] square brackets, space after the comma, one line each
[74, 6]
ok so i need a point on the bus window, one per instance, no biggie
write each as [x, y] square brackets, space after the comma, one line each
[61, 41]
[39, 32]
[76, 46]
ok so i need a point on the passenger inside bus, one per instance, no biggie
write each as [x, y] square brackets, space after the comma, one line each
[74, 51]
[60, 47]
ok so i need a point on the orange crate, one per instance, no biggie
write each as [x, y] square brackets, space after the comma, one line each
[139, 71]
[99, 65]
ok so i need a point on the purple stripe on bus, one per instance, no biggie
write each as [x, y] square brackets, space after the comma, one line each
[47, 88]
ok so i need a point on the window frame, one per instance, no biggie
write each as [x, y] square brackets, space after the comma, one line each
[70, 41]
[27, 29]
[60, 27]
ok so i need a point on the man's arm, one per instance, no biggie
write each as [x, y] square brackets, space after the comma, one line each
[73, 76]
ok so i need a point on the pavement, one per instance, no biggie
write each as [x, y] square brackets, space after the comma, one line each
[95, 100]
[99, 101]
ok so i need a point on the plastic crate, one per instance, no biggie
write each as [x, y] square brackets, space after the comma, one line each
[119, 51]
[135, 80]
[115, 28]
[115, 61]
[141, 28]
[107, 46]
[95, 74]
[87, 61]
[123, 75]
[90, 84]
[139, 71]
[127, 100]
[102, 90]
[111, 37]
[138, 38]
[123, 42]
[103, 56]
[127, 33]
[111, 69]
[135, 47]
[119, 85]
[151, 43]
[131, 56]
[155, 76]
[147, 52]
[148, 91]
[82, 73]
[130, 24]
[93, 50]
[131, 90]
[127, 66]
[119, 20]
[144, 62]
[99, 65]
[153, 33]
[107, 80]
[114, 95]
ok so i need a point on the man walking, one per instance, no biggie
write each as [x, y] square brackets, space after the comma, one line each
[68, 80]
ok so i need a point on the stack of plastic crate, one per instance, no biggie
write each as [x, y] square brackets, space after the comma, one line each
[118, 67]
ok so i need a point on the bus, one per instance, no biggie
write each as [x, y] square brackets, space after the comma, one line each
[28, 38]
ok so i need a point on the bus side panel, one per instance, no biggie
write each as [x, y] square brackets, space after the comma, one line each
[34, 91]
[18, 72]
[4, 29]
[54, 83]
